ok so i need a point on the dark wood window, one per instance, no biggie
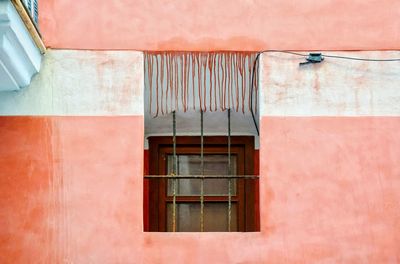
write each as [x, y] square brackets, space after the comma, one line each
[215, 190]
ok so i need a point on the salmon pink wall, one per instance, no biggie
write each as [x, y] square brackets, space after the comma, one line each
[26, 173]
[72, 186]
[221, 25]
[80, 199]
[70, 190]
[330, 188]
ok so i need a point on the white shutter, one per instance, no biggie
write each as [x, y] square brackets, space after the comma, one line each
[35, 12]
[32, 6]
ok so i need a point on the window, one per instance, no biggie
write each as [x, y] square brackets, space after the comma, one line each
[200, 93]
[217, 208]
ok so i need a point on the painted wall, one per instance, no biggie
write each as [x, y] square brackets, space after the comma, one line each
[81, 83]
[88, 208]
[335, 87]
[329, 152]
[329, 186]
[26, 162]
[221, 25]
[68, 142]
[70, 191]
[330, 189]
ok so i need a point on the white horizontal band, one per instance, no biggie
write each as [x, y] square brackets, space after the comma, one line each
[73, 82]
[335, 87]
[111, 83]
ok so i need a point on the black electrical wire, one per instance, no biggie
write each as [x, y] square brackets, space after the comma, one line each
[358, 59]
[331, 56]
[251, 91]
[301, 55]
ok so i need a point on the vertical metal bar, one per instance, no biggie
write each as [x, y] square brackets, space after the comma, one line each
[229, 172]
[174, 171]
[202, 173]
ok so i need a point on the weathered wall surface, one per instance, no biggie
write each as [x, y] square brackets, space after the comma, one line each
[70, 190]
[332, 188]
[221, 25]
[26, 162]
[71, 186]
[335, 87]
[77, 203]
[81, 83]
[328, 158]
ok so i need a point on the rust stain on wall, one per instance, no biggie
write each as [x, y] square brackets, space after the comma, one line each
[209, 81]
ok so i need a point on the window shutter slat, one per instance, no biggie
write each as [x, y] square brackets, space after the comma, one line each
[35, 11]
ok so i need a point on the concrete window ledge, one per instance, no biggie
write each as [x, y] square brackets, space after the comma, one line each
[20, 49]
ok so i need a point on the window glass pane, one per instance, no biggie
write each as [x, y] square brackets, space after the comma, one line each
[215, 217]
[213, 165]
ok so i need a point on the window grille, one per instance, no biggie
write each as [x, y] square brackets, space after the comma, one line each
[200, 201]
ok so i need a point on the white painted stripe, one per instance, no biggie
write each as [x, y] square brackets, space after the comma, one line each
[74, 82]
[333, 88]
[111, 83]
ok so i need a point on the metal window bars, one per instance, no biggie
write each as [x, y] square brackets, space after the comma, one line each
[174, 175]
[174, 172]
[202, 173]
[229, 173]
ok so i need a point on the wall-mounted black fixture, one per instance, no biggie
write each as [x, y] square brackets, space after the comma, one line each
[313, 58]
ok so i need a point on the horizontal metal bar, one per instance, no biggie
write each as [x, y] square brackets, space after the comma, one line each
[204, 176]
[196, 199]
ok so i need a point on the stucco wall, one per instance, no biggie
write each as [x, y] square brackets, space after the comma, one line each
[336, 87]
[221, 25]
[88, 83]
[330, 189]
[71, 186]
[71, 146]
[80, 201]
[69, 189]
[328, 158]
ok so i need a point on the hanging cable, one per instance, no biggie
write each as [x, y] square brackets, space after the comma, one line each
[251, 92]
[301, 55]
[359, 59]
[329, 56]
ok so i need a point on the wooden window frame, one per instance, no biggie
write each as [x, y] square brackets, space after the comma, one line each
[242, 146]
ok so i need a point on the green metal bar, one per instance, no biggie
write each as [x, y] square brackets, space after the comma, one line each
[229, 173]
[174, 172]
[203, 176]
[202, 173]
